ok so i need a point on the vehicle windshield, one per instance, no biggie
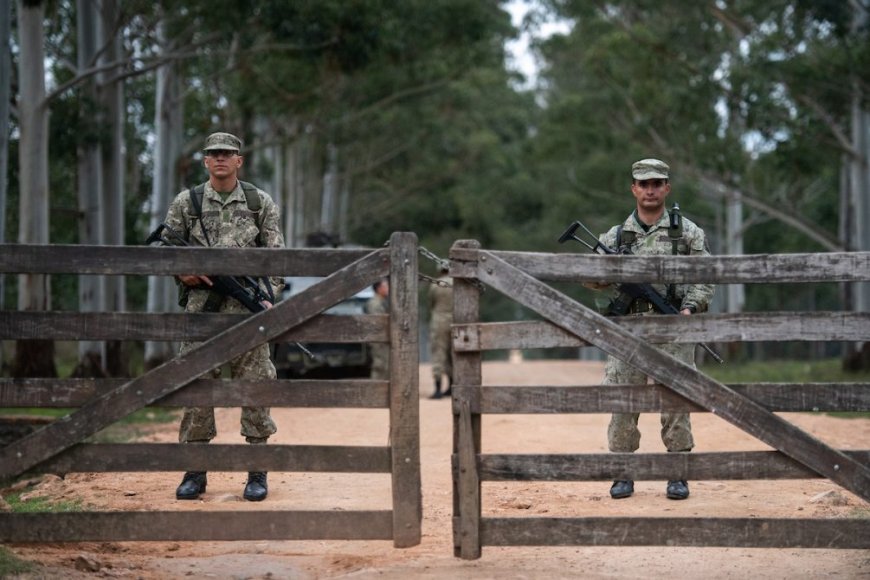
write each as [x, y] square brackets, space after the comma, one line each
[353, 305]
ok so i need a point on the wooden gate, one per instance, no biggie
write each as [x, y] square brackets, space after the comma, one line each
[59, 446]
[749, 407]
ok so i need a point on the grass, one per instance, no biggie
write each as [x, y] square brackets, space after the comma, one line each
[784, 371]
[12, 565]
[790, 371]
[41, 505]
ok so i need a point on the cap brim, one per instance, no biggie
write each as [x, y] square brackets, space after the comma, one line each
[639, 175]
[221, 148]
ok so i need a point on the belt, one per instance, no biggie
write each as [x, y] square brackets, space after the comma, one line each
[641, 305]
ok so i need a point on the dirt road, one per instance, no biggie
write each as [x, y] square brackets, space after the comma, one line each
[433, 558]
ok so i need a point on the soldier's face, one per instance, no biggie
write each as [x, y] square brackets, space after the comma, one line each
[222, 164]
[650, 193]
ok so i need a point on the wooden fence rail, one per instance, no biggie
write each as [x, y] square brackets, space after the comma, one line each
[59, 447]
[679, 387]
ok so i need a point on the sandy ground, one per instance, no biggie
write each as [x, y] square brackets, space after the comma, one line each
[433, 558]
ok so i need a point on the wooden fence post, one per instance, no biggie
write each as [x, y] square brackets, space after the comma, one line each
[405, 391]
[466, 425]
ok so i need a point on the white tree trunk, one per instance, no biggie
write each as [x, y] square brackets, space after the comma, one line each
[859, 171]
[33, 289]
[167, 147]
[112, 98]
[328, 200]
[5, 89]
[92, 354]
[735, 293]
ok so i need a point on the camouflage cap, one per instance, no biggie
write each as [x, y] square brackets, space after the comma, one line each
[222, 142]
[650, 169]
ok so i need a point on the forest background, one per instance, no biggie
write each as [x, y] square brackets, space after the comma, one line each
[366, 117]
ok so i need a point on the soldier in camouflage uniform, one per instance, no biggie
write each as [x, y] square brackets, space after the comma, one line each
[380, 304]
[229, 222]
[441, 316]
[645, 232]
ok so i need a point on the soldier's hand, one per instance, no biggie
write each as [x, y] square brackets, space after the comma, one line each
[195, 280]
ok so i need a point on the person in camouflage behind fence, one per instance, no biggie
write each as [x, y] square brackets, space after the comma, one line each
[380, 352]
[225, 213]
[650, 231]
[441, 317]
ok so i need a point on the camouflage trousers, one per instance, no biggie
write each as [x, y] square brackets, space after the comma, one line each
[442, 349]
[622, 433]
[380, 361]
[198, 423]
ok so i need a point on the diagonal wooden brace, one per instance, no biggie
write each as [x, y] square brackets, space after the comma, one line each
[260, 328]
[674, 374]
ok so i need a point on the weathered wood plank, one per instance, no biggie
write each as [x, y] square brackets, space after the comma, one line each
[739, 465]
[133, 457]
[167, 378]
[196, 526]
[469, 488]
[745, 327]
[61, 393]
[680, 377]
[178, 326]
[405, 392]
[852, 534]
[780, 397]
[466, 436]
[748, 269]
[171, 261]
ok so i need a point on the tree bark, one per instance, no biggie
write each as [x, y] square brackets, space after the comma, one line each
[112, 98]
[167, 148]
[33, 358]
[90, 187]
[5, 89]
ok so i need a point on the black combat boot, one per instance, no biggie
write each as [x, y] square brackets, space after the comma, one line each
[192, 485]
[678, 489]
[621, 489]
[449, 392]
[437, 394]
[256, 489]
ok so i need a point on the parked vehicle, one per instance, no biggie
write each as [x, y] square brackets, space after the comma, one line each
[329, 360]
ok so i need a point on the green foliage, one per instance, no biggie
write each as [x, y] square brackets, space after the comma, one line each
[433, 136]
[41, 504]
[11, 565]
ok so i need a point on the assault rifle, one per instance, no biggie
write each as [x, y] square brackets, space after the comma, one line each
[243, 288]
[628, 291]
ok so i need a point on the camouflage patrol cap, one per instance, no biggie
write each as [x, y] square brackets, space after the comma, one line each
[222, 142]
[650, 169]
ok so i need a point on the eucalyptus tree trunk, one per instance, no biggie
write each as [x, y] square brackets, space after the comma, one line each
[90, 187]
[855, 195]
[859, 187]
[33, 358]
[5, 76]
[735, 293]
[328, 198]
[112, 101]
[168, 118]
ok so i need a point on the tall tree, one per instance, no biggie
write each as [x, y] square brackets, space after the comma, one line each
[111, 95]
[168, 116]
[5, 91]
[90, 182]
[33, 357]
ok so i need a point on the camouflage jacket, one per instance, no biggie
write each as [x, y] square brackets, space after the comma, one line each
[657, 242]
[230, 224]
